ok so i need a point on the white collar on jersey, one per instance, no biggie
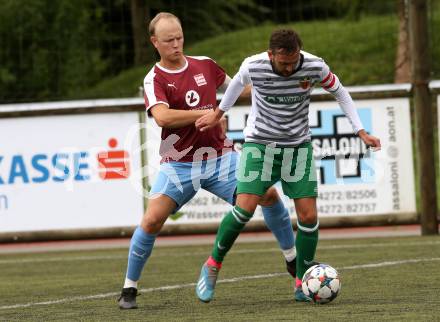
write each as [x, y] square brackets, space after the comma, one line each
[173, 71]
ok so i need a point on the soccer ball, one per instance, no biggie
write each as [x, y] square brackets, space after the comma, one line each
[321, 283]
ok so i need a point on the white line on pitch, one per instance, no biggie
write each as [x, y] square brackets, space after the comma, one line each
[241, 251]
[229, 280]
[59, 259]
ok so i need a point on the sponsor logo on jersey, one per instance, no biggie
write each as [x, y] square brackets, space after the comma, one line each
[200, 79]
[192, 98]
[268, 81]
[285, 99]
[172, 85]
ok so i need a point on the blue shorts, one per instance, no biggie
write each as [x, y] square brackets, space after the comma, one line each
[181, 180]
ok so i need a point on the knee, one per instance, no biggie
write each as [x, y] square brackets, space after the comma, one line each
[151, 224]
[307, 216]
[269, 198]
[248, 202]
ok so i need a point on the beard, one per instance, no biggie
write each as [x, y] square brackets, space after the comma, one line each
[280, 72]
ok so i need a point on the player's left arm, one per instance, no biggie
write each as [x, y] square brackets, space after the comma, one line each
[330, 82]
[346, 103]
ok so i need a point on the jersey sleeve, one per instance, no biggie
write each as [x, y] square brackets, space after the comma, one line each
[219, 73]
[154, 92]
[232, 93]
[235, 88]
[328, 80]
[243, 73]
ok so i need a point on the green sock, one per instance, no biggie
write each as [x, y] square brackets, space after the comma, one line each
[306, 242]
[228, 231]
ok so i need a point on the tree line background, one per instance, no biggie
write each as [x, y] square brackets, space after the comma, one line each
[50, 50]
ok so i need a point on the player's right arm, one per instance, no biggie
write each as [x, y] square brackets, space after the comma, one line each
[157, 105]
[173, 119]
[245, 94]
[239, 87]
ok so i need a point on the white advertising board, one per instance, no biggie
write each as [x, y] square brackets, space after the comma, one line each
[353, 180]
[70, 172]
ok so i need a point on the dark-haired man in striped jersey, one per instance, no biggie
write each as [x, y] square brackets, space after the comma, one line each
[277, 145]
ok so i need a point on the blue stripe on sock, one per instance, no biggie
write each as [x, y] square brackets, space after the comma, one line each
[278, 221]
[141, 246]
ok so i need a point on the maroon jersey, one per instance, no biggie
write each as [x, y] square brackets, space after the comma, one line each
[192, 87]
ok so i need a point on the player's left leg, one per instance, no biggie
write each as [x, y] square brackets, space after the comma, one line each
[300, 184]
[306, 240]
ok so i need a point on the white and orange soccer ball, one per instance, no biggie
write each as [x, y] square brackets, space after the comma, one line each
[321, 283]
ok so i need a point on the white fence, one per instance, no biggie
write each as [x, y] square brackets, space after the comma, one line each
[76, 169]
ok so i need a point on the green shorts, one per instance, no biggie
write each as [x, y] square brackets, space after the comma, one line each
[261, 166]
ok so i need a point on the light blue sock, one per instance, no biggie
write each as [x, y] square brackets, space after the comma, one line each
[278, 221]
[141, 246]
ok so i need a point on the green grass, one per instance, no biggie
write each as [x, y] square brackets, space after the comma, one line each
[352, 49]
[407, 291]
[359, 52]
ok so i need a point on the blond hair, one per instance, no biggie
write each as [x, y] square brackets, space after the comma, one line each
[155, 20]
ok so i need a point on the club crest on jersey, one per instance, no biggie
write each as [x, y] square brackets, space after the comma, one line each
[200, 79]
[305, 83]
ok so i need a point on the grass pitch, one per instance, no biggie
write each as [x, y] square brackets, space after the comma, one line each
[383, 279]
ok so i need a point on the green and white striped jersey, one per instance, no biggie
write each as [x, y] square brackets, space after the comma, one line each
[280, 105]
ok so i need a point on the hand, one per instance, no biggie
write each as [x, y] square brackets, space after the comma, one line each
[370, 140]
[224, 124]
[209, 120]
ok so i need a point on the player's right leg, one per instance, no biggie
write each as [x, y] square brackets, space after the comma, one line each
[249, 193]
[172, 189]
[141, 246]
[228, 231]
